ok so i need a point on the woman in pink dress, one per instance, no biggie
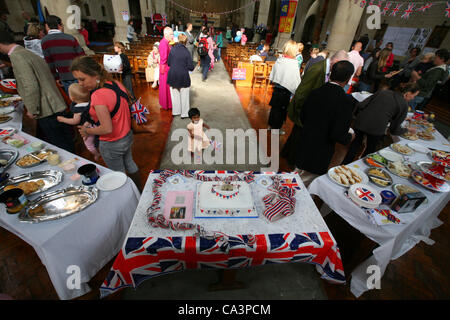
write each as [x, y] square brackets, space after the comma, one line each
[164, 89]
[211, 48]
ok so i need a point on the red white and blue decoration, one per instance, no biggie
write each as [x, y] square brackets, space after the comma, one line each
[144, 258]
[416, 6]
[425, 7]
[396, 10]
[9, 84]
[386, 8]
[447, 10]
[408, 11]
[138, 111]
[281, 202]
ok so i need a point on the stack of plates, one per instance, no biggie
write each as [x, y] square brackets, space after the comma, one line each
[364, 196]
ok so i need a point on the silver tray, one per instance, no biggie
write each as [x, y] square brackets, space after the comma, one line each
[371, 177]
[51, 178]
[35, 154]
[6, 119]
[59, 204]
[8, 155]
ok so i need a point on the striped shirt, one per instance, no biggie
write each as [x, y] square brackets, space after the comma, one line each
[59, 51]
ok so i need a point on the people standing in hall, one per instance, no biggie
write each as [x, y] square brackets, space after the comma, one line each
[326, 117]
[285, 76]
[218, 40]
[179, 80]
[390, 60]
[110, 112]
[357, 61]
[39, 92]
[314, 57]
[165, 99]
[60, 49]
[153, 61]
[127, 74]
[371, 80]
[84, 33]
[375, 114]
[131, 34]
[203, 52]
[197, 41]
[4, 27]
[299, 55]
[32, 42]
[190, 39]
[211, 48]
[317, 75]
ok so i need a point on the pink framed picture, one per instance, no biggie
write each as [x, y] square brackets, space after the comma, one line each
[178, 206]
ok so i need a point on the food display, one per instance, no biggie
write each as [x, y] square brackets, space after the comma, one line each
[402, 149]
[4, 119]
[435, 169]
[430, 182]
[28, 161]
[216, 199]
[400, 169]
[408, 198]
[346, 176]
[402, 189]
[376, 161]
[418, 147]
[28, 187]
[379, 177]
[441, 157]
[4, 103]
[410, 136]
[424, 135]
[390, 155]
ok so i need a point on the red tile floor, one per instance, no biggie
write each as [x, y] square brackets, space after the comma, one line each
[422, 273]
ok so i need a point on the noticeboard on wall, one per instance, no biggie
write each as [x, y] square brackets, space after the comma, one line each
[404, 39]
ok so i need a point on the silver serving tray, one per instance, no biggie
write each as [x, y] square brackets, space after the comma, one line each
[371, 176]
[51, 178]
[35, 154]
[7, 119]
[8, 155]
[60, 204]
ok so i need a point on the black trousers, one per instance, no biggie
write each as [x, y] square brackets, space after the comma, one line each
[279, 103]
[355, 146]
[56, 133]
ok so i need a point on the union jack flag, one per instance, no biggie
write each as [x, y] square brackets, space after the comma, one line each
[9, 83]
[138, 111]
[7, 132]
[396, 9]
[291, 184]
[428, 181]
[386, 8]
[408, 11]
[144, 258]
[447, 10]
[365, 194]
[363, 3]
[425, 7]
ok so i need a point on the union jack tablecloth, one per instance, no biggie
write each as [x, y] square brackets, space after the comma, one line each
[301, 237]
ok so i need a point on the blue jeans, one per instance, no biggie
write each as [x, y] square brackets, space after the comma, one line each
[205, 63]
[67, 83]
[364, 87]
[415, 102]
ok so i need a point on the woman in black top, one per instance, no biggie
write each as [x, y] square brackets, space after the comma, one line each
[127, 75]
[375, 73]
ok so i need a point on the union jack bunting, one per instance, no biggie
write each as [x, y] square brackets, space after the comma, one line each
[386, 8]
[138, 111]
[9, 84]
[144, 258]
[447, 10]
[396, 9]
[379, 3]
[363, 3]
[408, 11]
[425, 7]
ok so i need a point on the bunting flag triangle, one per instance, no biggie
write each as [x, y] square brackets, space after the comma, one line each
[408, 11]
[138, 111]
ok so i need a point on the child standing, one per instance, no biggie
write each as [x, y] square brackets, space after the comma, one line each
[80, 109]
[127, 75]
[153, 62]
[198, 138]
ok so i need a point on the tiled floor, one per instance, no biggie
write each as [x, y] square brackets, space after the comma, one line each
[422, 273]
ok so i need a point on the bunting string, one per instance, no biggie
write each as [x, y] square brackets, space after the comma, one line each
[214, 13]
[395, 7]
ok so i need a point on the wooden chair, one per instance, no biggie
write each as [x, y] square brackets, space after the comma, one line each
[140, 66]
[270, 65]
[259, 73]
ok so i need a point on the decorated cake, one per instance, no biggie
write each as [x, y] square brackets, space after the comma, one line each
[217, 199]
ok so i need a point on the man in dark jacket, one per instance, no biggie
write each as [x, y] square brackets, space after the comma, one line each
[326, 117]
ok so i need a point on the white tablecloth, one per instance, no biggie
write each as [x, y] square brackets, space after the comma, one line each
[88, 239]
[393, 240]
[16, 121]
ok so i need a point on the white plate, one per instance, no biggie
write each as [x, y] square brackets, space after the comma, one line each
[6, 110]
[111, 181]
[365, 196]
[390, 155]
[418, 147]
[362, 175]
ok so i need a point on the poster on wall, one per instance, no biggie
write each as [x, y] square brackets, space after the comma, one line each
[405, 39]
[287, 15]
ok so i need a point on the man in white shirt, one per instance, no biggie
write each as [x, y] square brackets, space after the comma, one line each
[357, 61]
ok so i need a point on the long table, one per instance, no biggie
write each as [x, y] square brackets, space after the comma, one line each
[88, 239]
[17, 115]
[150, 251]
[393, 240]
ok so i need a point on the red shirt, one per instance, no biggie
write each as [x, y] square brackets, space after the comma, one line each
[85, 34]
[121, 122]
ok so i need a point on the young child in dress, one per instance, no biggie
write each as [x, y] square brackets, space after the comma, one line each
[153, 60]
[80, 108]
[198, 139]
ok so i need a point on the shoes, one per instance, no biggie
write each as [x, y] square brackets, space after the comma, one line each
[204, 79]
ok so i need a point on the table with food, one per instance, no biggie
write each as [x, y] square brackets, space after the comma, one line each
[11, 111]
[222, 220]
[393, 196]
[74, 213]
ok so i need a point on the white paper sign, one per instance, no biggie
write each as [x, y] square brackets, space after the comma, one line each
[112, 63]
[125, 15]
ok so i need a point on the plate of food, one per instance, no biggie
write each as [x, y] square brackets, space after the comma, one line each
[410, 136]
[390, 155]
[375, 160]
[346, 176]
[379, 177]
[435, 169]
[400, 169]
[7, 157]
[441, 157]
[418, 147]
[402, 149]
[34, 158]
[34, 182]
[4, 118]
[430, 182]
[424, 135]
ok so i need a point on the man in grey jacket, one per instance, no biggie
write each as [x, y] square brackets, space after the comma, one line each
[38, 90]
[190, 39]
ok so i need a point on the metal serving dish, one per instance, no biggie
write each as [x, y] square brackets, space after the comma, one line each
[50, 178]
[35, 155]
[59, 204]
[380, 178]
[10, 156]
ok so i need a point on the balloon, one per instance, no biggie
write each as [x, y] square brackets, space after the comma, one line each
[237, 39]
[238, 33]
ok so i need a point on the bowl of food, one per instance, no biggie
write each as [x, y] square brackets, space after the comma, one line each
[400, 169]
[379, 177]
[8, 85]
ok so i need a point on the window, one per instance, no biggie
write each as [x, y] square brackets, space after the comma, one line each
[86, 8]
